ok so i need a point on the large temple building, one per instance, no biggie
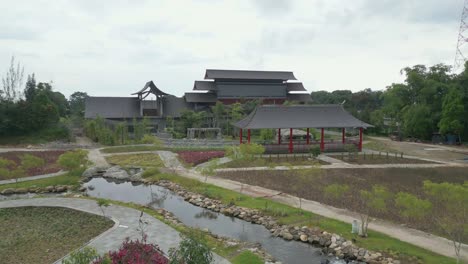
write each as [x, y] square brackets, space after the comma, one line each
[226, 86]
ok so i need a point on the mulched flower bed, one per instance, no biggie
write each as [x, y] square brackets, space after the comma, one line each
[50, 158]
[198, 157]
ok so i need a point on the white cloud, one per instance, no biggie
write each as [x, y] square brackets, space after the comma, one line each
[114, 47]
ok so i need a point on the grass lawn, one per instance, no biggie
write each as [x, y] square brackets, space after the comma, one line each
[272, 162]
[45, 234]
[140, 160]
[65, 179]
[378, 145]
[136, 148]
[289, 215]
[247, 257]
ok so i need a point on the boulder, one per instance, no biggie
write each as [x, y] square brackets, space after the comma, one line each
[8, 191]
[304, 238]
[116, 172]
[286, 235]
[21, 190]
[93, 171]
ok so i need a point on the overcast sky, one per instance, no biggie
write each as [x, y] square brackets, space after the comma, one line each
[111, 48]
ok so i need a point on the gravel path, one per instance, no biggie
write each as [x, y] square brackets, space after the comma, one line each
[95, 156]
[126, 224]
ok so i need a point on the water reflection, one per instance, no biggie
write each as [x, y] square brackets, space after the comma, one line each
[291, 252]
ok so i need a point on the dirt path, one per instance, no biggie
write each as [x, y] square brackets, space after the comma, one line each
[96, 157]
[428, 151]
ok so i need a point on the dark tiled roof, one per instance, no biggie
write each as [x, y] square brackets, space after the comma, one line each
[296, 87]
[152, 88]
[204, 85]
[249, 75]
[300, 97]
[300, 116]
[200, 97]
[112, 107]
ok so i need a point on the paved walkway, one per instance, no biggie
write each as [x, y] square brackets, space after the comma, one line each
[96, 157]
[428, 241]
[31, 178]
[126, 220]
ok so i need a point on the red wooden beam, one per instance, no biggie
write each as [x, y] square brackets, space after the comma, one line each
[279, 136]
[322, 142]
[343, 135]
[248, 135]
[290, 140]
[240, 136]
[308, 135]
[360, 139]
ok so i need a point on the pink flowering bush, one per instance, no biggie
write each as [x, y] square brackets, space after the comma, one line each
[135, 252]
[197, 157]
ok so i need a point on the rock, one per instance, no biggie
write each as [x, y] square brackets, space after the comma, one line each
[82, 189]
[21, 190]
[116, 172]
[304, 238]
[8, 191]
[50, 189]
[60, 189]
[286, 235]
[93, 171]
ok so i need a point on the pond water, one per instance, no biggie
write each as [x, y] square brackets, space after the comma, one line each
[290, 252]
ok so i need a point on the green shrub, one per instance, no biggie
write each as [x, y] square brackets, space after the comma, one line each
[150, 139]
[266, 134]
[74, 161]
[83, 256]
[315, 151]
[411, 206]
[29, 161]
[336, 191]
[192, 250]
[150, 172]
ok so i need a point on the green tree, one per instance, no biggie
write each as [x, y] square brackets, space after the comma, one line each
[372, 202]
[218, 113]
[30, 89]
[450, 210]
[77, 103]
[417, 121]
[452, 113]
[411, 206]
[12, 81]
[192, 250]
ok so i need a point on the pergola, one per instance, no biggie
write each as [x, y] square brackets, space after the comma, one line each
[302, 117]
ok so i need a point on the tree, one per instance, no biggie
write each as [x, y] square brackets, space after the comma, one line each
[30, 89]
[371, 202]
[103, 203]
[450, 210]
[77, 103]
[12, 81]
[417, 122]
[218, 113]
[452, 113]
[192, 250]
[411, 206]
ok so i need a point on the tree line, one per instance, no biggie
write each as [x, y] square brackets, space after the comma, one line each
[430, 100]
[36, 109]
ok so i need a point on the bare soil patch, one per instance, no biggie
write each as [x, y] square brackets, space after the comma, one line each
[378, 159]
[50, 158]
[395, 179]
[45, 234]
[273, 161]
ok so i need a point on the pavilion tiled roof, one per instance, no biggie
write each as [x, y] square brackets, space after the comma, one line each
[300, 116]
[249, 75]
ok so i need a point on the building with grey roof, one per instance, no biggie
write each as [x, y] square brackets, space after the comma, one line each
[226, 86]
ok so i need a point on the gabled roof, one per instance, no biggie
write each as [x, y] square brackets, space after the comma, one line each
[249, 75]
[300, 116]
[149, 87]
[300, 97]
[204, 85]
[112, 107]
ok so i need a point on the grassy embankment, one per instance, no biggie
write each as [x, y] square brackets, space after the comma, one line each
[65, 179]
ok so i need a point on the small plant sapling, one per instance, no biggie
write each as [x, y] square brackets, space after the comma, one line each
[103, 203]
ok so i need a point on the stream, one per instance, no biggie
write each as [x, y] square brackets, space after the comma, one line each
[290, 252]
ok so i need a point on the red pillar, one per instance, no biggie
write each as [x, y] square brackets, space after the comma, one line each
[290, 140]
[240, 136]
[248, 136]
[360, 139]
[279, 136]
[322, 142]
[343, 135]
[308, 135]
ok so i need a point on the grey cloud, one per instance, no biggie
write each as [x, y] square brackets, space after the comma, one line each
[17, 33]
[419, 11]
[276, 7]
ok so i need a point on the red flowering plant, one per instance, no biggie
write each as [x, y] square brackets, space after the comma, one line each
[135, 252]
[197, 157]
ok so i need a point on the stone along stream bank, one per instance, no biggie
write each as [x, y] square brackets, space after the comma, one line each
[289, 244]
